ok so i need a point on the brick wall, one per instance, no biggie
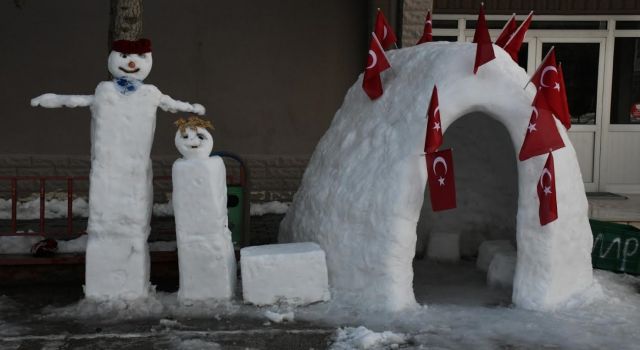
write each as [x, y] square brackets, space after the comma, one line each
[414, 12]
[271, 177]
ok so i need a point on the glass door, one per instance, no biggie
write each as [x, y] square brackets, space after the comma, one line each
[582, 62]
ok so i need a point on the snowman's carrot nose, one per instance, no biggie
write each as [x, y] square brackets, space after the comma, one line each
[132, 64]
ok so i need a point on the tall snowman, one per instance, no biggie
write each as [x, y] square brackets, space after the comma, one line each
[123, 121]
[205, 252]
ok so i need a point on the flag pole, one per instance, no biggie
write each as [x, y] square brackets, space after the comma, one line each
[540, 66]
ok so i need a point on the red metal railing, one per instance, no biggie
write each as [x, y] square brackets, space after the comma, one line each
[42, 182]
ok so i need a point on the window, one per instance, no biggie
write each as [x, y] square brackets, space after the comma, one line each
[625, 88]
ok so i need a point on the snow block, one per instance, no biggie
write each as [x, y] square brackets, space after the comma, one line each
[206, 257]
[488, 249]
[502, 269]
[116, 267]
[294, 273]
[444, 246]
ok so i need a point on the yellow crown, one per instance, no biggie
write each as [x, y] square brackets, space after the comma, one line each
[192, 123]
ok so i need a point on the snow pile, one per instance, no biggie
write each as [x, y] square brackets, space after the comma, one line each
[488, 249]
[349, 338]
[444, 246]
[277, 317]
[366, 179]
[502, 269]
[275, 207]
[55, 208]
[205, 252]
[293, 273]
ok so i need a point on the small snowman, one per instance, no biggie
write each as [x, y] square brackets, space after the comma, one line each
[205, 252]
[123, 121]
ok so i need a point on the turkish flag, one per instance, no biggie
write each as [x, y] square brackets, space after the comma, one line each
[565, 116]
[442, 186]
[548, 210]
[515, 42]
[550, 84]
[484, 48]
[427, 35]
[376, 63]
[433, 140]
[383, 31]
[542, 134]
[508, 30]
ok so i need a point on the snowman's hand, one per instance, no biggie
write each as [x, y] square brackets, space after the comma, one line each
[56, 101]
[170, 105]
[198, 109]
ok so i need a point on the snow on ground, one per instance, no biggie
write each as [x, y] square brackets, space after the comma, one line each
[22, 245]
[459, 312]
[362, 338]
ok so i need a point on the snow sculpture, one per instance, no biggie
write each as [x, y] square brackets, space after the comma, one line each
[123, 120]
[205, 252]
[294, 273]
[363, 190]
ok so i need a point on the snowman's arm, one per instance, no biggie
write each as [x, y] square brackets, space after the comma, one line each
[56, 101]
[170, 105]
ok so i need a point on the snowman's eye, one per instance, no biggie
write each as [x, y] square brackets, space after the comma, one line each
[123, 55]
[144, 55]
[185, 136]
[202, 137]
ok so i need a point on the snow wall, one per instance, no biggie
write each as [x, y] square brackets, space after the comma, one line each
[363, 190]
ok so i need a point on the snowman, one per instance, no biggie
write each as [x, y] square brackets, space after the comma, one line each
[205, 252]
[123, 120]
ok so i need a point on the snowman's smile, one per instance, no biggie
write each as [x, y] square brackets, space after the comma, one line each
[129, 71]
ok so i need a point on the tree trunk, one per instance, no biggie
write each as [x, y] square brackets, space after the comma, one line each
[125, 20]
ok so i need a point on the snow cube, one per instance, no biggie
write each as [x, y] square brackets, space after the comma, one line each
[488, 249]
[444, 246]
[502, 269]
[294, 273]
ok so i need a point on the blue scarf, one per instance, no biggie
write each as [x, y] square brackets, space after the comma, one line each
[126, 85]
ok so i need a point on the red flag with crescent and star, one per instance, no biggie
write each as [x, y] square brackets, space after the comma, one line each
[550, 84]
[484, 48]
[433, 139]
[508, 30]
[542, 134]
[383, 31]
[442, 187]
[376, 63]
[517, 38]
[548, 209]
[427, 35]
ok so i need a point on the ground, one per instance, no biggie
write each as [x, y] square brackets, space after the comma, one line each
[461, 312]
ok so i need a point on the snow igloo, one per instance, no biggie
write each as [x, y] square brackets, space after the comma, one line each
[363, 191]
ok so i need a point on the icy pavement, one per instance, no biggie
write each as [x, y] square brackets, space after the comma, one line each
[461, 313]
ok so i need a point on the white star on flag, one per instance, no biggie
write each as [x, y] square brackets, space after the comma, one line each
[557, 87]
[547, 190]
[436, 126]
[532, 127]
[441, 181]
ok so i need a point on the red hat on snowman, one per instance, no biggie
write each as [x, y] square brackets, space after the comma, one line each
[132, 46]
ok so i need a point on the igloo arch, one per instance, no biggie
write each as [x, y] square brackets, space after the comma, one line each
[363, 190]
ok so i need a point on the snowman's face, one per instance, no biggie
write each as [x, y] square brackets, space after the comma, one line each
[194, 143]
[136, 66]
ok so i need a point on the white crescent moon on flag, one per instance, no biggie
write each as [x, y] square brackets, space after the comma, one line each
[384, 32]
[436, 111]
[544, 71]
[547, 173]
[535, 110]
[440, 160]
[374, 59]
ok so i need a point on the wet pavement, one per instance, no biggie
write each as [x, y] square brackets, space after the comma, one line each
[29, 321]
